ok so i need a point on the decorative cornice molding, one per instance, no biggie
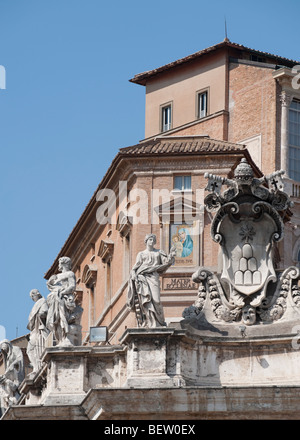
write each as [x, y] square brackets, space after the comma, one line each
[106, 250]
[124, 224]
[89, 275]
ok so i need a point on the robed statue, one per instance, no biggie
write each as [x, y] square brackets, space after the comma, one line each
[38, 329]
[144, 287]
[63, 317]
[13, 375]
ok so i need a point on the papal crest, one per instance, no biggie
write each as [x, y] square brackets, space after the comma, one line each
[247, 252]
[248, 222]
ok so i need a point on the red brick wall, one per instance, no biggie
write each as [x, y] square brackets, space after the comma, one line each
[252, 108]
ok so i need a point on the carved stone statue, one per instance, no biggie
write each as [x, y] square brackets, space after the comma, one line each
[13, 375]
[247, 224]
[61, 303]
[144, 287]
[37, 327]
[73, 315]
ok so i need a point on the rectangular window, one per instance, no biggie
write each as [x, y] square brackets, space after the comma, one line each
[257, 58]
[166, 117]
[108, 282]
[182, 183]
[127, 262]
[294, 140]
[202, 104]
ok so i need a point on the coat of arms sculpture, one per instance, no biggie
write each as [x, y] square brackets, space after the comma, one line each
[247, 224]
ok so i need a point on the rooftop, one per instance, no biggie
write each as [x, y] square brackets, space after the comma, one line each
[181, 145]
[141, 78]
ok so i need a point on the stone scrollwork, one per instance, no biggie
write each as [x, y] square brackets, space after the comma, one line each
[200, 277]
[275, 308]
[210, 290]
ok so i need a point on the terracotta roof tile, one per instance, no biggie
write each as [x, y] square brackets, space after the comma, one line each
[172, 145]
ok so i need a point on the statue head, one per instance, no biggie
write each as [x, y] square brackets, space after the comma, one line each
[243, 173]
[5, 345]
[153, 236]
[35, 295]
[64, 262]
[248, 315]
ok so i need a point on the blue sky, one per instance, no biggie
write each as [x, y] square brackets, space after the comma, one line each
[68, 107]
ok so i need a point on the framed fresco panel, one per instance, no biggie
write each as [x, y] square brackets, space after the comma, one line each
[181, 237]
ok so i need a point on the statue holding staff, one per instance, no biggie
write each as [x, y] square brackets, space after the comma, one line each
[144, 287]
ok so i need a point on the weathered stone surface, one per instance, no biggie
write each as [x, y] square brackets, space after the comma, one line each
[40, 412]
[190, 403]
[70, 372]
[169, 373]
[147, 355]
[194, 403]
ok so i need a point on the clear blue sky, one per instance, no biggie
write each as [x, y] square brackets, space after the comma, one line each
[68, 107]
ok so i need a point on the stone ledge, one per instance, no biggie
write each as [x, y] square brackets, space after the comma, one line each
[40, 412]
[191, 403]
[148, 333]
[55, 351]
[188, 403]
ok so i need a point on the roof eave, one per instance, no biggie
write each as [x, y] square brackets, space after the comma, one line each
[142, 78]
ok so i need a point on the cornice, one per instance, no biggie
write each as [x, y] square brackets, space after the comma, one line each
[106, 250]
[285, 77]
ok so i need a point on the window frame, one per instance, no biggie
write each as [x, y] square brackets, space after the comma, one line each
[199, 93]
[183, 189]
[162, 109]
[293, 174]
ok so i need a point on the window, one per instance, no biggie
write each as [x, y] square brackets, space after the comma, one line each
[166, 117]
[257, 58]
[294, 140]
[202, 104]
[182, 183]
[92, 305]
[127, 260]
[108, 281]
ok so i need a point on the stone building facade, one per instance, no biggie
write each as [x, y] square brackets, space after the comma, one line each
[204, 114]
[244, 114]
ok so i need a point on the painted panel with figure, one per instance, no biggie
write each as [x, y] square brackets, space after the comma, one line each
[181, 237]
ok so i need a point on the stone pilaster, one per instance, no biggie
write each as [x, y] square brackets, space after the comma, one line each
[285, 99]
